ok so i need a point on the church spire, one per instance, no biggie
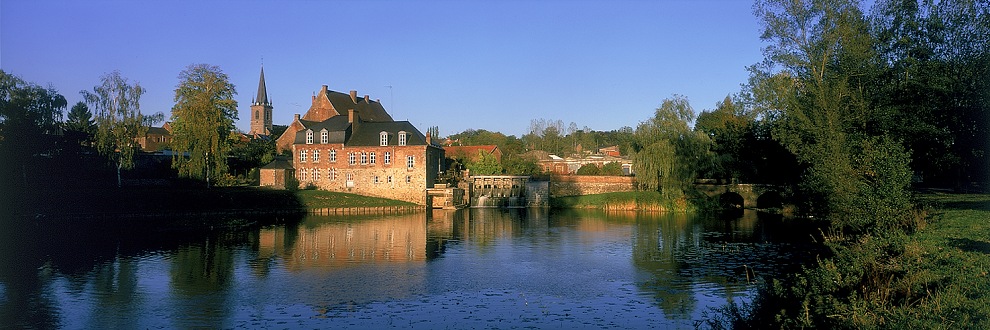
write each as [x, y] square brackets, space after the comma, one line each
[262, 97]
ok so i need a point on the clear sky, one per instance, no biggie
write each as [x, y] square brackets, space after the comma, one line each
[492, 65]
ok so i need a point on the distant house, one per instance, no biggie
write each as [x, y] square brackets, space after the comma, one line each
[157, 138]
[472, 153]
[350, 144]
[567, 166]
[610, 151]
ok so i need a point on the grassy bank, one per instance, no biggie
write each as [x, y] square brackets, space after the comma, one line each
[624, 201]
[936, 277]
[315, 199]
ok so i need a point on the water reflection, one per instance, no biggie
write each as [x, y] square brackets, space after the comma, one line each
[465, 268]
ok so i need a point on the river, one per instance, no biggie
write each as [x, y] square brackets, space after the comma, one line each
[478, 268]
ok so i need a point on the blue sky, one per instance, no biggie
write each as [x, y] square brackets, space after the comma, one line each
[492, 65]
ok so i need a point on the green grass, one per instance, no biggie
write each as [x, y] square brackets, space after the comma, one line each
[317, 199]
[624, 201]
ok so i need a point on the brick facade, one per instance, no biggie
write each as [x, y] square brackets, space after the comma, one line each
[394, 179]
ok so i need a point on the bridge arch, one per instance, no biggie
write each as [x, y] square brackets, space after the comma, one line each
[731, 199]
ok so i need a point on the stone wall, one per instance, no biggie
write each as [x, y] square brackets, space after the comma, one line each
[576, 185]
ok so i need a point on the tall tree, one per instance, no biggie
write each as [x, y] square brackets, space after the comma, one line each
[119, 120]
[79, 125]
[819, 64]
[30, 116]
[202, 119]
[668, 152]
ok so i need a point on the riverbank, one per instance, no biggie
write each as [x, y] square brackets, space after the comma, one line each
[936, 277]
[173, 202]
[651, 201]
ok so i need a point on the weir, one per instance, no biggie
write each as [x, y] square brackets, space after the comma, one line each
[505, 191]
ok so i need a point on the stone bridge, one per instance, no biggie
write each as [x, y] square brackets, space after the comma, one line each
[761, 196]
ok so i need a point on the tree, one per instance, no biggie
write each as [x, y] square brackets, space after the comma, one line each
[202, 119]
[30, 116]
[668, 152]
[80, 126]
[118, 119]
[485, 164]
[589, 169]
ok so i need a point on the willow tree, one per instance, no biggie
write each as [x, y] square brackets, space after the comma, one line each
[119, 120]
[202, 119]
[668, 152]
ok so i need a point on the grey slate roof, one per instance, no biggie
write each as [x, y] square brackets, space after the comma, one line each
[367, 111]
[367, 134]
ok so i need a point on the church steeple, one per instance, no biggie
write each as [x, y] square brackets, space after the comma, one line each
[262, 96]
[261, 109]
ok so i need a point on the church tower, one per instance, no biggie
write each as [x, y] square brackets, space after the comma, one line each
[261, 110]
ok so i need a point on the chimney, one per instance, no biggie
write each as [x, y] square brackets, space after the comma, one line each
[429, 139]
[366, 98]
[323, 89]
[353, 119]
[354, 96]
[295, 117]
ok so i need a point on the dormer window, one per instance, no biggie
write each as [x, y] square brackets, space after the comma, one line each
[309, 137]
[383, 139]
[402, 138]
[324, 137]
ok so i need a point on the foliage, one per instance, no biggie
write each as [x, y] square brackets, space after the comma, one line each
[202, 119]
[484, 164]
[932, 92]
[119, 120]
[80, 127]
[30, 116]
[625, 201]
[668, 152]
[935, 278]
[519, 165]
[589, 169]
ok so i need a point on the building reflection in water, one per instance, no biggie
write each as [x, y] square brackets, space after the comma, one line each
[331, 242]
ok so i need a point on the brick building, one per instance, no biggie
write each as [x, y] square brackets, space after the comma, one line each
[156, 138]
[352, 145]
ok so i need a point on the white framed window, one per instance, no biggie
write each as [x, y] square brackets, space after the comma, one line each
[332, 174]
[364, 158]
[316, 155]
[408, 179]
[316, 174]
[376, 180]
[309, 136]
[389, 179]
[388, 157]
[410, 162]
[383, 139]
[350, 180]
[304, 176]
[371, 158]
[324, 137]
[333, 155]
[302, 156]
[351, 159]
[402, 138]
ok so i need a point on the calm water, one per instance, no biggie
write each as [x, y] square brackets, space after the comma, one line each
[464, 269]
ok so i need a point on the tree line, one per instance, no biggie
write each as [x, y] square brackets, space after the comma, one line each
[109, 122]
